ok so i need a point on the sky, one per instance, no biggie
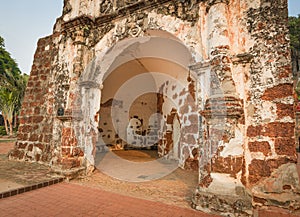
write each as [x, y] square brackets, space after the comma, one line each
[23, 22]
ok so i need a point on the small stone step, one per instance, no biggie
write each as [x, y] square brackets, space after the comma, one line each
[274, 212]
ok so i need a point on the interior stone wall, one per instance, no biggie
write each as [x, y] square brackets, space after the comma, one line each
[141, 110]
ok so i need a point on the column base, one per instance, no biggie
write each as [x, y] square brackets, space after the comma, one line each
[281, 189]
[224, 196]
[70, 174]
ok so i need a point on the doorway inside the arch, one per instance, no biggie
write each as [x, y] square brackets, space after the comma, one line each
[148, 117]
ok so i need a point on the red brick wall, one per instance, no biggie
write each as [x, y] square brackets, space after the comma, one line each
[270, 82]
[36, 119]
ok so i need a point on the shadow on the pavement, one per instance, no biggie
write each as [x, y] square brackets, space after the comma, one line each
[17, 177]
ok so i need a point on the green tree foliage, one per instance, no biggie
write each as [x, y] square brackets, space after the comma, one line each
[12, 86]
[7, 64]
[294, 28]
[8, 104]
[1, 42]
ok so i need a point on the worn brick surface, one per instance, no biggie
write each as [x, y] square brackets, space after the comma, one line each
[263, 147]
[34, 115]
[73, 200]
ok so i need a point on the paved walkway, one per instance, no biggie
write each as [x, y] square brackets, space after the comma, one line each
[6, 145]
[66, 199]
[18, 179]
[21, 175]
[69, 199]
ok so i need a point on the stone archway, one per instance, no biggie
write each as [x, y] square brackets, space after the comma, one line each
[246, 135]
[172, 82]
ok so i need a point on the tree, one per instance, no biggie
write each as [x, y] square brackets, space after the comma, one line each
[1, 42]
[294, 29]
[12, 87]
[7, 105]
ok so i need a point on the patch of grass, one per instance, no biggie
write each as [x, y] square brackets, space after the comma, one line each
[2, 131]
[5, 140]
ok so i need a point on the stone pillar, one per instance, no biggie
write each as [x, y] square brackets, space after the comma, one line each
[87, 124]
[73, 57]
[202, 70]
[220, 188]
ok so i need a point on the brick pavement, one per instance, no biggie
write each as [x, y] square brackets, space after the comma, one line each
[66, 199]
[5, 147]
[17, 177]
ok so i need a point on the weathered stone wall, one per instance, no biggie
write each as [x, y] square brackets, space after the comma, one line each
[236, 112]
[35, 135]
[183, 107]
[270, 116]
[271, 89]
[251, 61]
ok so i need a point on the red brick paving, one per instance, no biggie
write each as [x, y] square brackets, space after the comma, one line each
[66, 199]
[275, 212]
[5, 147]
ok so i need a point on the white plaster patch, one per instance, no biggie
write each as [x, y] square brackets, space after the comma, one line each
[257, 155]
[235, 146]
[267, 111]
[223, 184]
[286, 100]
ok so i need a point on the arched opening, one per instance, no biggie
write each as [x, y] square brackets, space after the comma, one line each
[142, 99]
[140, 108]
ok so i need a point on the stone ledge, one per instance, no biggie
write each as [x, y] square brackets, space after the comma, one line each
[281, 189]
[221, 107]
[226, 205]
[70, 173]
[29, 188]
[65, 117]
[274, 212]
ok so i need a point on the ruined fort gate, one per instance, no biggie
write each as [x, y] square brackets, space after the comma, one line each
[233, 120]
